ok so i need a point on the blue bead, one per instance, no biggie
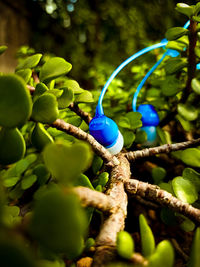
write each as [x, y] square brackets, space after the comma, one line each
[149, 115]
[172, 53]
[104, 130]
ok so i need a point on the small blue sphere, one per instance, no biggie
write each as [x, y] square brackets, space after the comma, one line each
[149, 115]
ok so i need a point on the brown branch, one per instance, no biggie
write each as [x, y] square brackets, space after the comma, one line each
[106, 240]
[147, 152]
[31, 89]
[179, 250]
[84, 115]
[138, 259]
[162, 197]
[95, 199]
[78, 133]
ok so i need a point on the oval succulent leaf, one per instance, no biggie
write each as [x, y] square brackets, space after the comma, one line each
[40, 137]
[66, 98]
[185, 9]
[196, 86]
[30, 62]
[25, 74]
[12, 145]
[175, 33]
[194, 260]
[15, 101]
[191, 157]
[85, 97]
[54, 68]
[188, 112]
[45, 109]
[125, 245]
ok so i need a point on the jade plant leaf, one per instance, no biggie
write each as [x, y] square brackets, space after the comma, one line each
[191, 157]
[170, 86]
[40, 137]
[65, 161]
[174, 65]
[184, 189]
[40, 89]
[194, 260]
[74, 86]
[12, 145]
[83, 180]
[66, 98]
[85, 97]
[185, 9]
[188, 112]
[158, 174]
[163, 256]
[28, 181]
[25, 74]
[15, 101]
[147, 238]
[196, 86]
[45, 109]
[175, 33]
[125, 245]
[3, 49]
[29, 62]
[54, 68]
[59, 223]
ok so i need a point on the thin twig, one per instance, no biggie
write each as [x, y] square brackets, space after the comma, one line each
[147, 152]
[179, 250]
[84, 115]
[78, 133]
[162, 197]
[95, 199]
[106, 240]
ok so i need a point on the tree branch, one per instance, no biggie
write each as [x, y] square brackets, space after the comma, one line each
[95, 199]
[84, 115]
[106, 240]
[78, 133]
[147, 152]
[162, 197]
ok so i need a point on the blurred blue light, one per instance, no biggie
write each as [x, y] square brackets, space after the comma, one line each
[70, 7]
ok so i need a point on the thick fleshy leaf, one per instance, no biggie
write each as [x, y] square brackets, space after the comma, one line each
[65, 161]
[28, 181]
[170, 86]
[175, 46]
[29, 62]
[185, 9]
[15, 101]
[3, 49]
[59, 223]
[42, 174]
[125, 245]
[83, 180]
[188, 112]
[129, 137]
[12, 146]
[196, 86]
[191, 157]
[163, 256]
[25, 74]
[40, 137]
[96, 164]
[147, 238]
[175, 33]
[184, 190]
[192, 176]
[158, 174]
[185, 123]
[174, 65]
[66, 98]
[54, 68]
[124, 122]
[194, 260]
[40, 89]
[45, 109]
[74, 86]
[85, 97]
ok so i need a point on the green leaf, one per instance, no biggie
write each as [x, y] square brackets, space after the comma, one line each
[184, 190]
[194, 260]
[192, 176]
[196, 86]
[185, 9]
[54, 68]
[174, 65]
[12, 146]
[187, 225]
[125, 245]
[25, 74]
[176, 45]
[83, 180]
[163, 256]
[42, 174]
[28, 181]
[11, 181]
[30, 62]
[15, 101]
[66, 98]
[191, 157]
[40, 137]
[45, 109]
[197, 8]
[56, 92]
[85, 97]
[141, 137]
[103, 178]
[147, 238]
[74, 86]
[175, 33]
[188, 112]
[3, 49]
[158, 174]
[170, 86]
[185, 124]
[65, 161]
[40, 89]
[124, 122]
[59, 223]
[165, 137]
[129, 137]
[96, 164]
[196, 18]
